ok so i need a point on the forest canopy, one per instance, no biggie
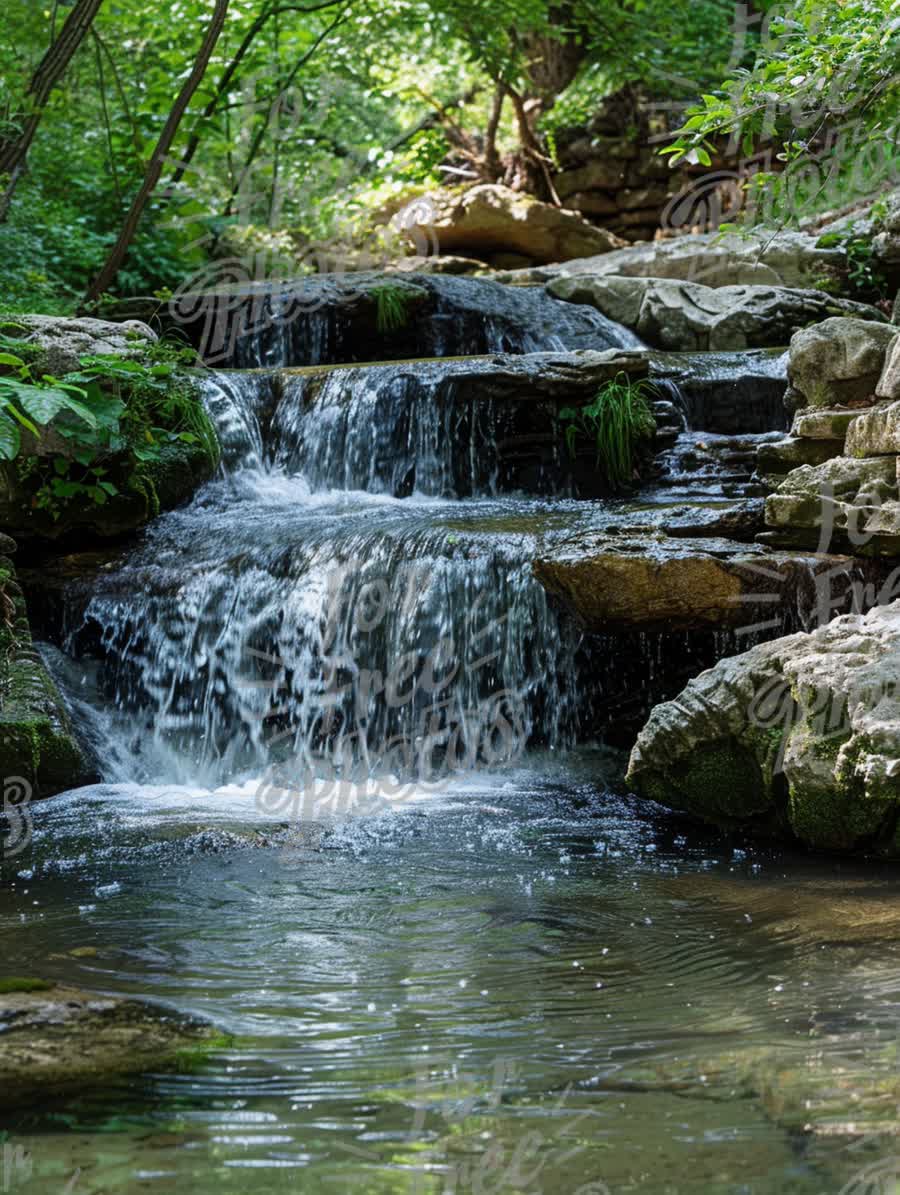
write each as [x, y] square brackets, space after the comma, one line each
[296, 119]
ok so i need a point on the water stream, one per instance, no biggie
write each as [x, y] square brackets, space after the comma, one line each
[354, 812]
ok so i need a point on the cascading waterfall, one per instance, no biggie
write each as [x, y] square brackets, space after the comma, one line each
[298, 616]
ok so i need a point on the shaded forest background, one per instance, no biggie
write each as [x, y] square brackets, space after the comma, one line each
[137, 142]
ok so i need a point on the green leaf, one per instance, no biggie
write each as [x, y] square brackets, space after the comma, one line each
[10, 439]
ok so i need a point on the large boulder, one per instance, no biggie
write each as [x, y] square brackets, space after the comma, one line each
[799, 737]
[839, 361]
[491, 219]
[62, 341]
[685, 315]
[792, 259]
[62, 1040]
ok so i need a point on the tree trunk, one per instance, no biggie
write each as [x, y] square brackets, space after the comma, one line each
[154, 169]
[51, 68]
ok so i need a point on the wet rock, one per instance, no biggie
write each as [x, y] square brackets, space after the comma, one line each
[728, 393]
[789, 453]
[685, 315]
[39, 754]
[798, 737]
[491, 219]
[792, 259]
[461, 425]
[63, 1039]
[741, 522]
[614, 583]
[353, 318]
[62, 341]
[839, 361]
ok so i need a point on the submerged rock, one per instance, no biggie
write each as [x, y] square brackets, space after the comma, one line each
[799, 737]
[792, 259]
[58, 1040]
[682, 315]
[491, 219]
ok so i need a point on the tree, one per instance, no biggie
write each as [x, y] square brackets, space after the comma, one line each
[119, 250]
[823, 89]
[14, 147]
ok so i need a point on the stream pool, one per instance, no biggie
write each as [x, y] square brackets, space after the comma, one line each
[521, 982]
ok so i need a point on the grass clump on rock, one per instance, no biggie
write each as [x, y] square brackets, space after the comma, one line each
[618, 422]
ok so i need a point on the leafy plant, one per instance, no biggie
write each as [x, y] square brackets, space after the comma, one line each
[865, 280]
[113, 416]
[617, 421]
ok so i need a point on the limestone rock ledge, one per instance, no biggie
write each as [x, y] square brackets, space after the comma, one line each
[797, 738]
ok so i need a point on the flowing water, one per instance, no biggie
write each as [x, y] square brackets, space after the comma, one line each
[352, 813]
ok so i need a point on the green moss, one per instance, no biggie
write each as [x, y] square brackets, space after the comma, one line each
[17, 984]
[191, 1058]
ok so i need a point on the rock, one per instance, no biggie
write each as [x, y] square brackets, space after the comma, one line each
[824, 423]
[671, 314]
[791, 259]
[504, 412]
[62, 1039]
[594, 175]
[875, 433]
[889, 382]
[491, 218]
[62, 341]
[839, 361]
[728, 393]
[39, 755]
[799, 737]
[162, 485]
[781, 457]
[886, 244]
[340, 319]
[852, 503]
[612, 583]
[741, 522]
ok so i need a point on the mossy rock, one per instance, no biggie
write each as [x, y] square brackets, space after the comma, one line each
[37, 742]
[59, 1039]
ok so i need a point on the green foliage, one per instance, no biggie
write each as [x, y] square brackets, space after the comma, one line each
[125, 413]
[391, 307]
[866, 281]
[617, 422]
[823, 89]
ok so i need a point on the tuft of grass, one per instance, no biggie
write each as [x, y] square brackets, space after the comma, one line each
[391, 307]
[617, 421]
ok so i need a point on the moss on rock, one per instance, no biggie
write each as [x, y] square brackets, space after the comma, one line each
[37, 743]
